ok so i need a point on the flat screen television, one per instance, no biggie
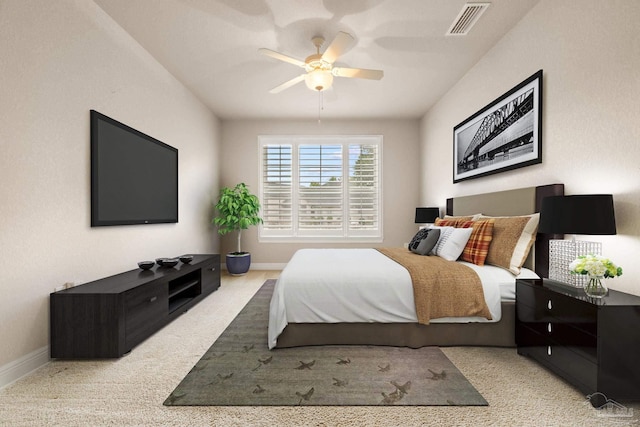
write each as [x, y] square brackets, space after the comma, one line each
[134, 177]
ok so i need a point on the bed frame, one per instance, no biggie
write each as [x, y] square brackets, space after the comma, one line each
[499, 334]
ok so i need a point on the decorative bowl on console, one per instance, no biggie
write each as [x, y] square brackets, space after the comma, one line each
[169, 262]
[145, 265]
[186, 259]
[160, 261]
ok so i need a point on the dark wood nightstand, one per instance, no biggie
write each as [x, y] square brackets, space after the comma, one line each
[593, 344]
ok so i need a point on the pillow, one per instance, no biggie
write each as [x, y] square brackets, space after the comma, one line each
[464, 217]
[449, 222]
[424, 241]
[454, 221]
[454, 243]
[421, 234]
[513, 237]
[477, 248]
[445, 232]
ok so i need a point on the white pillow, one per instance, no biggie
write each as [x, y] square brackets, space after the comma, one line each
[445, 232]
[454, 244]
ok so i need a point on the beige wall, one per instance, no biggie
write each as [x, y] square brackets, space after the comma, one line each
[59, 60]
[400, 175]
[591, 114]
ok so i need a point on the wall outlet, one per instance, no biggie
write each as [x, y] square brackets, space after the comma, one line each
[67, 285]
[406, 245]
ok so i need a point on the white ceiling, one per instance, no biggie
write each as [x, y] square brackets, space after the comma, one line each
[211, 46]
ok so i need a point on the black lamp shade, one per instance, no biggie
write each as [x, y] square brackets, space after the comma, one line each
[426, 215]
[582, 214]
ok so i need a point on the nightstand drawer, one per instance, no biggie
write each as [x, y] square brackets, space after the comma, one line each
[547, 305]
[554, 334]
[572, 366]
[539, 319]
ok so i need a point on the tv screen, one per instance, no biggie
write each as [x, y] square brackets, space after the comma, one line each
[134, 177]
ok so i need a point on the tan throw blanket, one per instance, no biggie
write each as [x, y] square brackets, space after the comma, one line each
[441, 288]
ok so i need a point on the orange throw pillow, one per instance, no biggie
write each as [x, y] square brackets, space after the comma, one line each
[477, 247]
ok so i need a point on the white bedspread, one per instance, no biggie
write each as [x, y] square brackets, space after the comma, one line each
[362, 285]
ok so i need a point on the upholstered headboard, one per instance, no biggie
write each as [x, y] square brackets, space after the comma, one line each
[522, 201]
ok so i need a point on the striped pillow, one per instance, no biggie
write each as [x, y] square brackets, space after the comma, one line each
[477, 248]
[452, 221]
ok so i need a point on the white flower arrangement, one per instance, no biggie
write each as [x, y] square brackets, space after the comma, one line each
[595, 265]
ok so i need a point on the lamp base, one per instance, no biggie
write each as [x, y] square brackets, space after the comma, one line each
[563, 252]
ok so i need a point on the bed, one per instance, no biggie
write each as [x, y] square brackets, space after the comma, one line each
[374, 320]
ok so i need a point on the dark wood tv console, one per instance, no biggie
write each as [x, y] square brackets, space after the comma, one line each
[108, 317]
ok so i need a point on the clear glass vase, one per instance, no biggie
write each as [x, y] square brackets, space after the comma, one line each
[595, 287]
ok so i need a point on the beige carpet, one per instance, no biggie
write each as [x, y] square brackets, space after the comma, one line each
[130, 391]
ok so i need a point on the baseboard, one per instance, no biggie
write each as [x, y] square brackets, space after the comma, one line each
[13, 371]
[262, 266]
[267, 266]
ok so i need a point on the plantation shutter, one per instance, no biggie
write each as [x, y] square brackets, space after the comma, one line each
[320, 188]
[363, 187]
[277, 180]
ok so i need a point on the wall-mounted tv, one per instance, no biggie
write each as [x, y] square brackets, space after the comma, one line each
[134, 177]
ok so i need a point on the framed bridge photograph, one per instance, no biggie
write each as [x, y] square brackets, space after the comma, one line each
[504, 135]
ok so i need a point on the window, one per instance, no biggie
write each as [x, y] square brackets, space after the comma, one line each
[321, 188]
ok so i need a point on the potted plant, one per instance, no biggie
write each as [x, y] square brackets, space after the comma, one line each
[237, 210]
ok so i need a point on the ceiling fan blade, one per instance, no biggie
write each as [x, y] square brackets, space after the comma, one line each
[358, 73]
[287, 85]
[281, 57]
[337, 47]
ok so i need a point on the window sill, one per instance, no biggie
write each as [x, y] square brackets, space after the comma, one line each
[359, 239]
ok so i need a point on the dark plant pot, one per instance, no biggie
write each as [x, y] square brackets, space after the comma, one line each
[238, 263]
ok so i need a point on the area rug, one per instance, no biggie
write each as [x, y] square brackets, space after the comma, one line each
[240, 370]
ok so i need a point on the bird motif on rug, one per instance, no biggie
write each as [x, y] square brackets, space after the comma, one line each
[214, 356]
[397, 394]
[262, 362]
[437, 376]
[175, 396]
[306, 396]
[304, 365]
[340, 383]
[385, 368]
[225, 377]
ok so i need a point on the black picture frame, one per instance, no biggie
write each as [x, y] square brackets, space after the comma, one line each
[504, 135]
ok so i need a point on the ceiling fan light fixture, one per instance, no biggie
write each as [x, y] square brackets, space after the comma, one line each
[319, 80]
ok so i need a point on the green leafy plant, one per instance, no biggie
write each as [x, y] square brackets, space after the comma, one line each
[238, 209]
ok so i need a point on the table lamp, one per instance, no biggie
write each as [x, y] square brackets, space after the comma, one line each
[427, 215]
[590, 214]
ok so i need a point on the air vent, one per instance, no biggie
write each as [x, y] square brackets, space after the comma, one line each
[467, 18]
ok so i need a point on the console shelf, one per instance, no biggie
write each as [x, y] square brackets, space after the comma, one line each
[183, 287]
[108, 317]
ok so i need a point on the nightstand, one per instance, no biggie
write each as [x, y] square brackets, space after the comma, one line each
[594, 344]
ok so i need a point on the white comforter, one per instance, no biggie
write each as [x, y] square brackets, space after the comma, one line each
[362, 285]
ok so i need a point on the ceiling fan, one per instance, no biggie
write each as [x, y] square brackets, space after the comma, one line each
[319, 67]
